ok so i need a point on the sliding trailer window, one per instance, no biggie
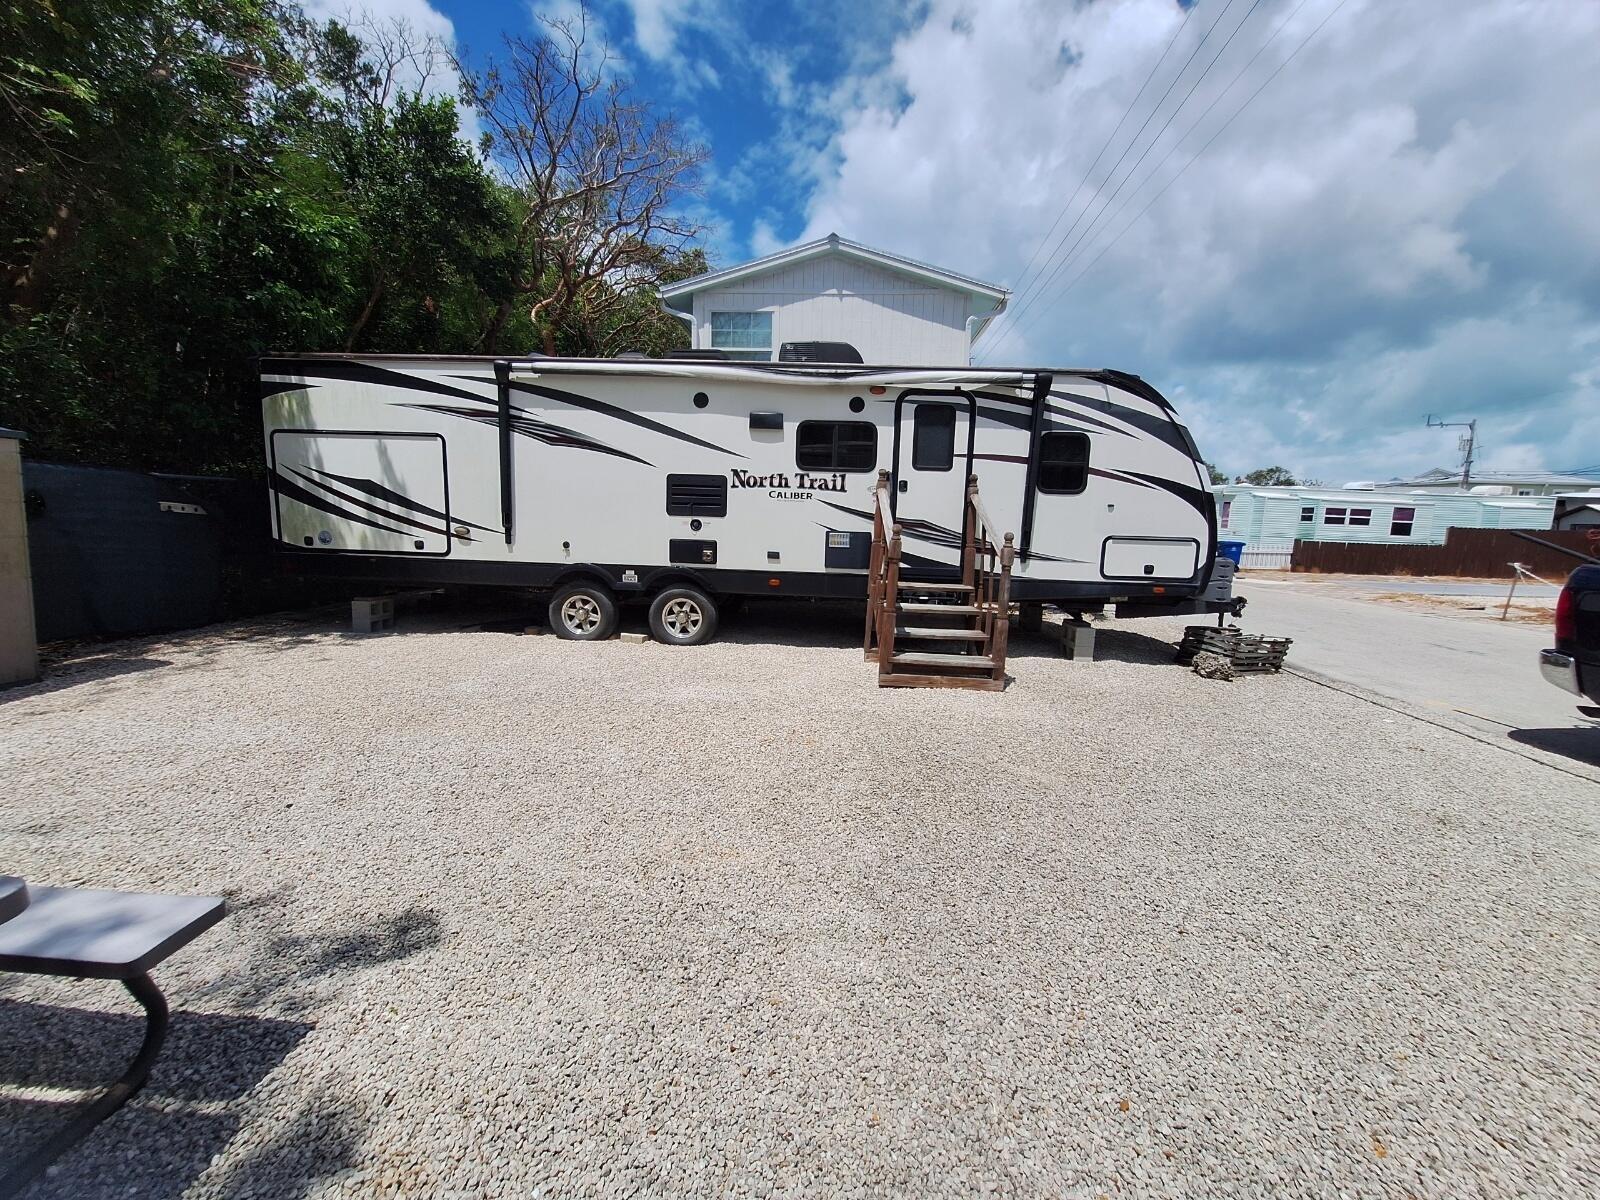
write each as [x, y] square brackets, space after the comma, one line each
[836, 446]
[1063, 463]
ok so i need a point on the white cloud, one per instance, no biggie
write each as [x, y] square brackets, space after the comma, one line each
[422, 21]
[1400, 223]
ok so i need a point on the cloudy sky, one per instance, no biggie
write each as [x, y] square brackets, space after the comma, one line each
[1309, 222]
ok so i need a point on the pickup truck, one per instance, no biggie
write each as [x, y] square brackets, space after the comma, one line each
[1574, 664]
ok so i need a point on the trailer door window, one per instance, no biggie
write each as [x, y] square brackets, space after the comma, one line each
[743, 335]
[1063, 463]
[933, 437]
[836, 446]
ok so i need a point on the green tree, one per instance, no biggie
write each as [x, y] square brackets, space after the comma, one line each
[1216, 475]
[1268, 477]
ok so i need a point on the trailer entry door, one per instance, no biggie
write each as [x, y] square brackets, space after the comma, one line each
[361, 493]
[932, 462]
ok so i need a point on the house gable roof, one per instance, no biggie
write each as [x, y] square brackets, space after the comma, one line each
[832, 244]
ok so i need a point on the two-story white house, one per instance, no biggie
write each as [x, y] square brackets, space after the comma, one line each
[894, 310]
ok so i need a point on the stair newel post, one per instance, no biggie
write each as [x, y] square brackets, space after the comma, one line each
[887, 609]
[875, 565]
[969, 536]
[1002, 610]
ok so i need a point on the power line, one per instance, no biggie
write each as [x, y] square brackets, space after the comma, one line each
[1126, 113]
[1293, 54]
[1090, 229]
[1200, 120]
[1022, 299]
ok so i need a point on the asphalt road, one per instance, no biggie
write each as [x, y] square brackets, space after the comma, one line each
[1475, 673]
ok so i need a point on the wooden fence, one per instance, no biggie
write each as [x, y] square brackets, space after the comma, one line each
[1466, 553]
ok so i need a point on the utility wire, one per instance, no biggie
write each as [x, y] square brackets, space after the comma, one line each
[1293, 54]
[1177, 145]
[1094, 228]
[1126, 113]
[1022, 299]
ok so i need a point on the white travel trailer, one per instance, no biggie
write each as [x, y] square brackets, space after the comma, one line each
[607, 480]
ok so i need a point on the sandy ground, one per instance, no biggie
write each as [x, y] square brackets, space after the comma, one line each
[515, 917]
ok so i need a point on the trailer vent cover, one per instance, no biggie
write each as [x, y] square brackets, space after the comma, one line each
[697, 495]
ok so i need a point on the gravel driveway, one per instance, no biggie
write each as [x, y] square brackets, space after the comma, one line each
[516, 917]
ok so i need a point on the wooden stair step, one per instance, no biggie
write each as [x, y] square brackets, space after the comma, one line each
[976, 662]
[932, 633]
[928, 585]
[949, 610]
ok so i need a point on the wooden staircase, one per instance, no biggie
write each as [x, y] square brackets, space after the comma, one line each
[932, 632]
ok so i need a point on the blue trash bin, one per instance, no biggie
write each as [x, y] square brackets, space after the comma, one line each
[1233, 550]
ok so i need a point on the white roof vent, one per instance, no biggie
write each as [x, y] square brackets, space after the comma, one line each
[1490, 489]
[1361, 485]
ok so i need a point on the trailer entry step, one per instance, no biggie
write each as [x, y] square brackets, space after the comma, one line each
[949, 610]
[978, 662]
[931, 633]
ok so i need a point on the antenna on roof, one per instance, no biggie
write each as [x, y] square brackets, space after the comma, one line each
[1466, 445]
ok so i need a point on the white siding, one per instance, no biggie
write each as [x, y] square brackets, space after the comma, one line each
[891, 318]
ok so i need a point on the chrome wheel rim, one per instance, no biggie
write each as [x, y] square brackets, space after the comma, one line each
[580, 614]
[682, 618]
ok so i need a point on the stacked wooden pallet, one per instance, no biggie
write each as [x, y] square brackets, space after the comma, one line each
[1246, 651]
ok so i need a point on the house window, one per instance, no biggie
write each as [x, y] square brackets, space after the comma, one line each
[1063, 463]
[1361, 516]
[743, 335]
[1524, 491]
[836, 446]
[1227, 511]
[1308, 512]
[1334, 516]
[1401, 521]
[933, 437]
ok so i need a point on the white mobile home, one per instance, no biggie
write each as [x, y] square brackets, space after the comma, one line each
[605, 480]
[1272, 519]
[890, 308]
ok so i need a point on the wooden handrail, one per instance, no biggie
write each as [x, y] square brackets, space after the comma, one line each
[875, 566]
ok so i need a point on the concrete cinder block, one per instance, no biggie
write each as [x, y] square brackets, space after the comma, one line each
[635, 637]
[1077, 640]
[371, 614]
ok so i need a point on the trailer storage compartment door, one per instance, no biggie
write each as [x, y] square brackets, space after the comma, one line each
[1164, 559]
[363, 493]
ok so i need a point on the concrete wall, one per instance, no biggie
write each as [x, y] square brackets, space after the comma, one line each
[19, 652]
[891, 318]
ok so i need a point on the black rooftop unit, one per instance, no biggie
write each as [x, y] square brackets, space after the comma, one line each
[818, 352]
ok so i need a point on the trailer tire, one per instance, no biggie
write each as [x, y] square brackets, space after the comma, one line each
[583, 612]
[683, 616]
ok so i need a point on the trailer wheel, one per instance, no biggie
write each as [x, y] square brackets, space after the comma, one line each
[683, 616]
[583, 612]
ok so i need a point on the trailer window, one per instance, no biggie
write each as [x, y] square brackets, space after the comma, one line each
[1334, 516]
[697, 495]
[1401, 522]
[836, 446]
[1063, 462]
[933, 437]
[1361, 516]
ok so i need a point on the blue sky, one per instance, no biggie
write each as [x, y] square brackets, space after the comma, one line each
[1310, 222]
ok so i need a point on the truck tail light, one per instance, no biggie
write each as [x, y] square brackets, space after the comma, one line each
[1567, 615]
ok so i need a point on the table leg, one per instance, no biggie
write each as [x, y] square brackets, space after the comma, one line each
[144, 990]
